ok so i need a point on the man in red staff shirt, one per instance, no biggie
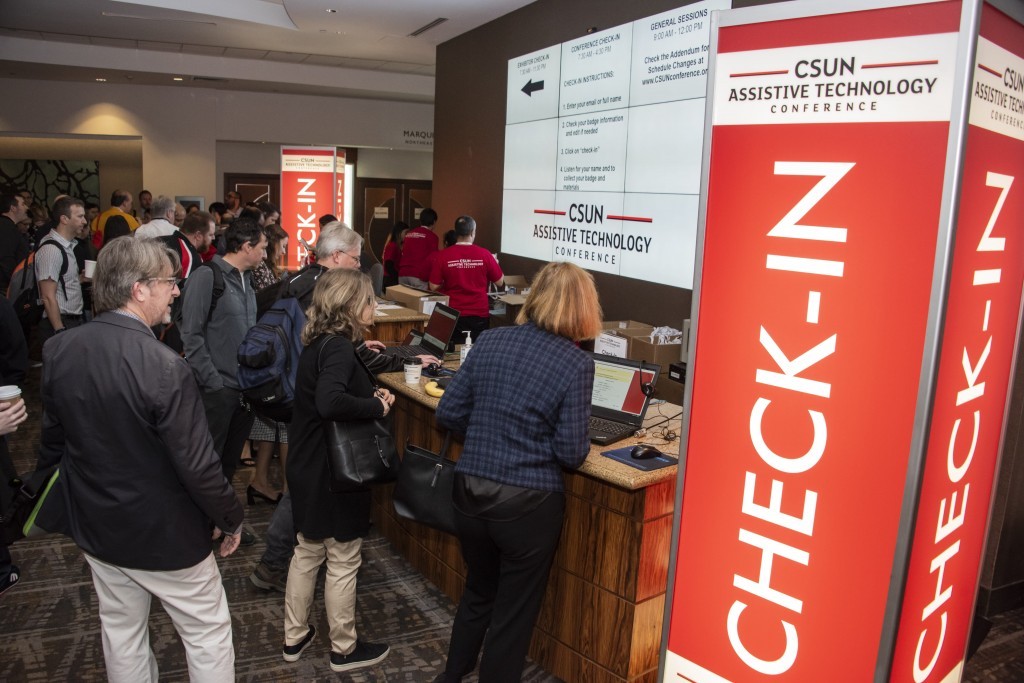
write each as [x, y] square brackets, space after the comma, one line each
[462, 272]
[419, 244]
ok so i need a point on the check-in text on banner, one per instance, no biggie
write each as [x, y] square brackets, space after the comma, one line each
[978, 346]
[307, 192]
[828, 151]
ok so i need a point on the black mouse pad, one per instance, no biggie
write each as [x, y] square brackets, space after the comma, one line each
[649, 465]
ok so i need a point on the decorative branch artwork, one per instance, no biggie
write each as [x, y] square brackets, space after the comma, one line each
[46, 179]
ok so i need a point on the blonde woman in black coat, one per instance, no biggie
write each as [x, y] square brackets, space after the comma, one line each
[331, 384]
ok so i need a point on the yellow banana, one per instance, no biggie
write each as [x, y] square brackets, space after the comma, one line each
[433, 389]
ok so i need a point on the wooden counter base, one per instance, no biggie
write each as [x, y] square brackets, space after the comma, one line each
[602, 613]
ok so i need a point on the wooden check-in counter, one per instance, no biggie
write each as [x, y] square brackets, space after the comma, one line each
[391, 324]
[602, 614]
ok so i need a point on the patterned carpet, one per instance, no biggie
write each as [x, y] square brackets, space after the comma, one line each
[50, 623]
[51, 631]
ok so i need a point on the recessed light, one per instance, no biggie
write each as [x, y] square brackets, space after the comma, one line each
[178, 78]
[101, 80]
[332, 11]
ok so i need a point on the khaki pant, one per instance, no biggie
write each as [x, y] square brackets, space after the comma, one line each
[194, 600]
[343, 560]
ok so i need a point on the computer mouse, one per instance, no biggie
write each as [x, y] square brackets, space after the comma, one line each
[432, 370]
[644, 452]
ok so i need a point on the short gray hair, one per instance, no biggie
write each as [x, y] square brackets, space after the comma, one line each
[123, 262]
[160, 206]
[336, 236]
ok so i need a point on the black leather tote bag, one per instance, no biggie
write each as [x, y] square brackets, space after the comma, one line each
[424, 490]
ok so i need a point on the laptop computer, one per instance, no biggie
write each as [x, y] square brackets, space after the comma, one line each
[619, 404]
[436, 336]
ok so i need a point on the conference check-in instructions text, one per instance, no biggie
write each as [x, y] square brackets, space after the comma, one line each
[603, 145]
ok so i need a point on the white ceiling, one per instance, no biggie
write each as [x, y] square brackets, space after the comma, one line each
[362, 49]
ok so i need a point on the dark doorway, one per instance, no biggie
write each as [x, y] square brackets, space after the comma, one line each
[379, 203]
[254, 187]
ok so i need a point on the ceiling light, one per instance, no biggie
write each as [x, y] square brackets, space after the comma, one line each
[101, 80]
[178, 78]
[427, 27]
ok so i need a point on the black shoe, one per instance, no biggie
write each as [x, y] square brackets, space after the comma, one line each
[268, 578]
[291, 653]
[365, 654]
[252, 494]
[11, 580]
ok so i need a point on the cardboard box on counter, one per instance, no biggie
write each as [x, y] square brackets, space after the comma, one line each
[642, 348]
[418, 300]
[517, 281]
[617, 340]
[625, 325]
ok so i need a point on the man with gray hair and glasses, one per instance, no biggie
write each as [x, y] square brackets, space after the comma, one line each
[143, 484]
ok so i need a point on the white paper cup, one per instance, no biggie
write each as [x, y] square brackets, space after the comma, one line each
[413, 370]
[9, 394]
[90, 268]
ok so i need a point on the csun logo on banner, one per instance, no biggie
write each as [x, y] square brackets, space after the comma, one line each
[854, 340]
[308, 191]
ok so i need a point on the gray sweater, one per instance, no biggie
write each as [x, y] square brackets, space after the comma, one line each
[212, 348]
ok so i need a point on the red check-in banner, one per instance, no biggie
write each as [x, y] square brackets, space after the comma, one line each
[307, 192]
[978, 347]
[339, 179]
[825, 187]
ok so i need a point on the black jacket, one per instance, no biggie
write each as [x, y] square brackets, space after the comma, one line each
[339, 390]
[128, 427]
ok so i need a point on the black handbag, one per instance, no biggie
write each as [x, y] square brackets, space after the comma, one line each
[424, 490]
[360, 452]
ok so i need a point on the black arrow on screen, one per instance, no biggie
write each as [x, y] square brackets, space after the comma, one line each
[532, 87]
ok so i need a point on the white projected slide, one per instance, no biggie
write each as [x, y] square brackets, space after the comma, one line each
[603, 145]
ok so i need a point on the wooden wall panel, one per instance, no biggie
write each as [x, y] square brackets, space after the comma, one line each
[603, 547]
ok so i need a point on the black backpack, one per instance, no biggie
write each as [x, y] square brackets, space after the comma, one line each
[268, 360]
[23, 292]
[116, 226]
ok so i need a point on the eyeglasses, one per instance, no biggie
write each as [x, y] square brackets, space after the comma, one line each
[355, 258]
[169, 280]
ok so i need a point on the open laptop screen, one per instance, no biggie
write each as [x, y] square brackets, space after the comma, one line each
[440, 328]
[618, 390]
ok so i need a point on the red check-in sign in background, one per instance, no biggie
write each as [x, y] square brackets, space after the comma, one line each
[307, 192]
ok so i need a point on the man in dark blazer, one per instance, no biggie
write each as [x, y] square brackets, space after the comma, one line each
[143, 484]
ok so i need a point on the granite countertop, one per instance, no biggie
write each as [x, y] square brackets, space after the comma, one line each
[398, 315]
[596, 465]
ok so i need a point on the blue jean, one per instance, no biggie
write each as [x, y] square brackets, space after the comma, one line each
[280, 535]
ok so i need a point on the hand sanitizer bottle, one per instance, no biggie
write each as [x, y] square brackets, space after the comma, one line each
[465, 348]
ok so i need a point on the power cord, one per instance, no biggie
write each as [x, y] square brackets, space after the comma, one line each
[658, 431]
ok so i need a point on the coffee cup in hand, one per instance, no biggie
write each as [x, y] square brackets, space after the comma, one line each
[9, 394]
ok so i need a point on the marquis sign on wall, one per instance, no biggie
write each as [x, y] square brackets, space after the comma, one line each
[821, 306]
